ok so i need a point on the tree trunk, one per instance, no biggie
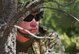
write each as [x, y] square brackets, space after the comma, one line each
[8, 9]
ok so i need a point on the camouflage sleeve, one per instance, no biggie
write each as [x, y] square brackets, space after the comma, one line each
[48, 46]
[54, 45]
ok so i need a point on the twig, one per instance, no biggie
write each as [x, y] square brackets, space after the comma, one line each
[32, 33]
[62, 11]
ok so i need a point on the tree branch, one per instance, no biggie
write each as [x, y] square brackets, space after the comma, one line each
[65, 13]
[63, 5]
[38, 37]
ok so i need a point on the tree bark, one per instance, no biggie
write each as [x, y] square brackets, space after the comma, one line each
[8, 9]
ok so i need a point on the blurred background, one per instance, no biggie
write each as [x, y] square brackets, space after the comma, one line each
[62, 16]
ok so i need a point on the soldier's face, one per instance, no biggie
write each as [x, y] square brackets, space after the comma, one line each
[30, 23]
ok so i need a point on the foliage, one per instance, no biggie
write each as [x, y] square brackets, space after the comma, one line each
[64, 24]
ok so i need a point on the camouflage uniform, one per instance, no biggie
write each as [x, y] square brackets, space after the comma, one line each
[45, 46]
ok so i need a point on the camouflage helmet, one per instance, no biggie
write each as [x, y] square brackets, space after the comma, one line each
[38, 8]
